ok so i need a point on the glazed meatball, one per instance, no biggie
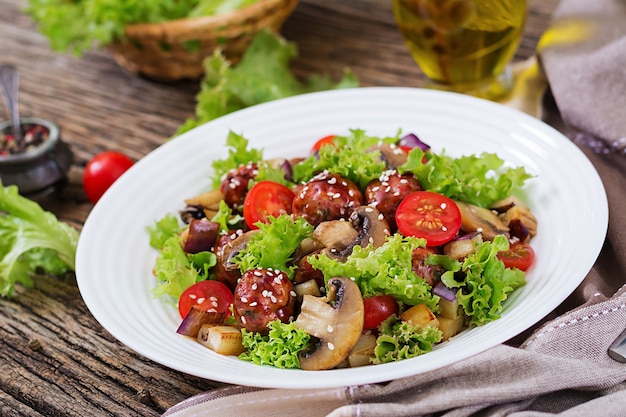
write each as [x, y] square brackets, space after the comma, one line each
[430, 273]
[234, 186]
[225, 271]
[326, 197]
[261, 296]
[386, 193]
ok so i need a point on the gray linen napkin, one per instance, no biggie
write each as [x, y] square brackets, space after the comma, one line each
[562, 369]
[583, 55]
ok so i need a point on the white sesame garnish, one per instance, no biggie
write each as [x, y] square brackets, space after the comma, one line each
[331, 346]
[278, 279]
[254, 286]
[443, 206]
[253, 304]
[332, 180]
[292, 293]
[330, 328]
[273, 299]
[200, 300]
[369, 209]
[243, 319]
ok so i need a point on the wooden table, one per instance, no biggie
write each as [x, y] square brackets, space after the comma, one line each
[55, 359]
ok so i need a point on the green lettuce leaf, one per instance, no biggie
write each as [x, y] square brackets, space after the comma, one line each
[283, 235]
[162, 230]
[355, 162]
[279, 348]
[480, 180]
[239, 153]
[173, 270]
[484, 281]
[383, 270]
[30, 239]
[399, 340]
[262, 75]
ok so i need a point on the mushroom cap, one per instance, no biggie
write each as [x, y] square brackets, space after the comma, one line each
[335, 320]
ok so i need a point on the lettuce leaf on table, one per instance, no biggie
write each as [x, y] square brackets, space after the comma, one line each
[262, 75]
[31, 239]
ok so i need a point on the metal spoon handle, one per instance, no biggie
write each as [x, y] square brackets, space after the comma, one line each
[10, 80]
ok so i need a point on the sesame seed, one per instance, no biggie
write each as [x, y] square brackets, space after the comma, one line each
[380, 216]
[273, 299]
[376, 188]
[254, 286]
[444, 228]
[331, 346]
[330, 328]
[332, 180]
[257, 273]
[193, 296]
[244, 300]
[292, 293]
[201, 300]
[243, 319]
[337, 195]
[369, 209]
[253, 304]
[443, 206]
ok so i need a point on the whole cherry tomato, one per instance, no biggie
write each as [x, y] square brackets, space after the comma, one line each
[102, 171]
[377, 309]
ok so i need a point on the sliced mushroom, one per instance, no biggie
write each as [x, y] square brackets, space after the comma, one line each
[479, 219]
[372, 226]
[463, 246]
[393, 155]
[335, 234]
[335, 320]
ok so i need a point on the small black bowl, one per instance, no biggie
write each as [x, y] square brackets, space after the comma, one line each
[39, 170]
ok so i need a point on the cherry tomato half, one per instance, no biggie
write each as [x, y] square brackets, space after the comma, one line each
[266, 198]
[208, 295]
[377, 309]
[326, 140]
[429, 215]
[520, 255]
[102, 171]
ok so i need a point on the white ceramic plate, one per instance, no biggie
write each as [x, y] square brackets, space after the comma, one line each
[114, 259]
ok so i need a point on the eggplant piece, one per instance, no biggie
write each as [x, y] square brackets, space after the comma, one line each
[463, 246]
[196, 318]
[200, 236]
[517, 216]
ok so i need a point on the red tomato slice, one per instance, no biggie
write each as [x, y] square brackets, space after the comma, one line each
[102, 171]
[378, 309]
[326, 140]
[207, 295]
[266, 198]
[429, 215]
[520, 255]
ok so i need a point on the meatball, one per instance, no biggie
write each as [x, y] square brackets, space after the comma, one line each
[225, 271]
[430, 273]
[234, 186]
[326, 197]
[386, 193]
[262, 296]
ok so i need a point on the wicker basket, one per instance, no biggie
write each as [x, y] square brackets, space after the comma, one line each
[175, 50]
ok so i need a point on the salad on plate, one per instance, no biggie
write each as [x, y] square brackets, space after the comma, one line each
[368, 250]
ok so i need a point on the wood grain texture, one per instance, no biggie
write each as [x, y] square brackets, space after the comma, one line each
[55, 359]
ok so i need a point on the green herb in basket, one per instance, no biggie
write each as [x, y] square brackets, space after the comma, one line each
[76, 26]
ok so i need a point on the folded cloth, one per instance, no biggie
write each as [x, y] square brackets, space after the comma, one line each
[583, 55]
[562, 369]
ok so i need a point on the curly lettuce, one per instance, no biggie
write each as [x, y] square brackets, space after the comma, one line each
[239, 153]
[31, 239]
[357, 161]
[399, 340]
[278, 348]
[484, 281]
[477, 179]
[283, 235]
[174, 269]
[384, 270]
